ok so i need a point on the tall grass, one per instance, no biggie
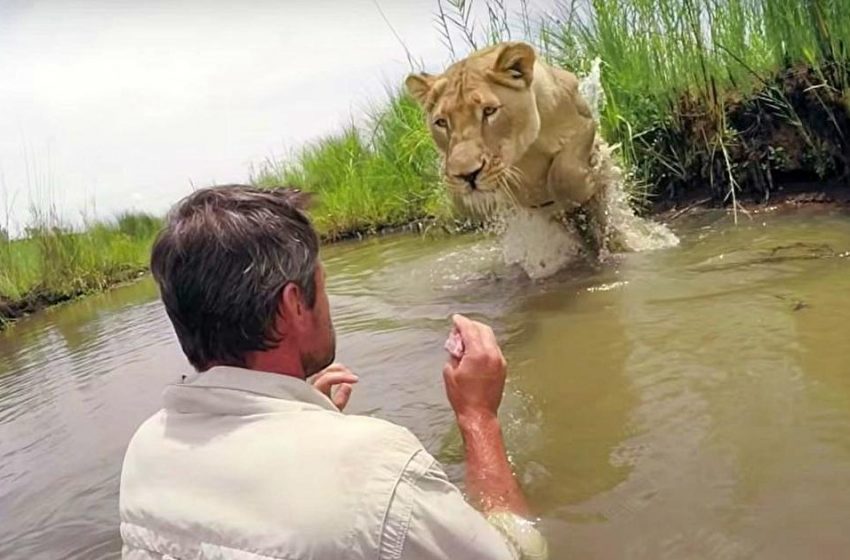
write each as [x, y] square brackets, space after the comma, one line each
[666, 60]
[696, 99]
[384, 174]
[55, 262]
[731, 93]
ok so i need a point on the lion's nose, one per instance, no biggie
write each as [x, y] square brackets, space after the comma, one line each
[471, 177]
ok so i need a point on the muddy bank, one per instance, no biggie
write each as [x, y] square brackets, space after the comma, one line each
[787, 139]
[786, 196]
[38, 300]
[422, 226]
[786, 142]
[663, 211]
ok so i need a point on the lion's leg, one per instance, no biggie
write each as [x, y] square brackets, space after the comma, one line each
[579, 191]
[570, 179]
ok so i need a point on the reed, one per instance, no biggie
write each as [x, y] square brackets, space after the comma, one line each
[54, 262]
[728, 96]
[385, 173]
[724, 98]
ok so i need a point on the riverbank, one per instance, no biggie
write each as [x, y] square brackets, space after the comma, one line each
[42, 297]
[725, 100]
[789, 196]
[709, 103]
[55, 263]
[385, 173]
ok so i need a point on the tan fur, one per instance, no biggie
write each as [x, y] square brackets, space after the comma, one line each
[537, 146]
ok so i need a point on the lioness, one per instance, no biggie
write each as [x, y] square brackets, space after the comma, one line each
[508, 123]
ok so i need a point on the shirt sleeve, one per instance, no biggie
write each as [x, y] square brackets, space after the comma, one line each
[429, 519]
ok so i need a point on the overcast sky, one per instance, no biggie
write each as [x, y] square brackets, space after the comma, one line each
[114, 105]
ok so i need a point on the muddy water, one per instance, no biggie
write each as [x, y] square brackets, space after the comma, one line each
[686, 403]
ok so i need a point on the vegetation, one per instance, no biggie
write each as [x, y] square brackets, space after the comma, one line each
[726, 97]
[704, 97]
[53, 263]
[385, 176]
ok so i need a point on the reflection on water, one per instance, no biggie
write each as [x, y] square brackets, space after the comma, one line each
[686, 403]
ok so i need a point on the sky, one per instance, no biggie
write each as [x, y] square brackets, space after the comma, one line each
[116, 105]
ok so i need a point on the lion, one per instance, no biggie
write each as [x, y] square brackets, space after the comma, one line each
[510, 126]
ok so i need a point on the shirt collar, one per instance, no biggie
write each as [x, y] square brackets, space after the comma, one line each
[185, 397]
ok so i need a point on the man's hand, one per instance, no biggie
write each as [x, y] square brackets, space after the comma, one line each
[474, 385]
[475, 382]
[332, 376]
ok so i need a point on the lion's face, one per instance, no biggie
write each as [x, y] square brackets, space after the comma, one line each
[483, 117]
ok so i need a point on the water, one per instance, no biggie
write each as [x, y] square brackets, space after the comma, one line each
[692, 402]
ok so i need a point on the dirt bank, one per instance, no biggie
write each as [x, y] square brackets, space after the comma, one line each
[788, 139]
[786, 142]
[12, 310]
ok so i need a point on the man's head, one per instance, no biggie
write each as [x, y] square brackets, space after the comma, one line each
[239, 274]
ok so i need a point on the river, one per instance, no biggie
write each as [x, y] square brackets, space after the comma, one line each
[692, 402]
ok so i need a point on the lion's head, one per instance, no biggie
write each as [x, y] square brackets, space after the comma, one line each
[482, 115]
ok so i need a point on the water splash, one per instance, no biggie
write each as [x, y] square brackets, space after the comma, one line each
[620, 228]
[590, 88]
[542, 243]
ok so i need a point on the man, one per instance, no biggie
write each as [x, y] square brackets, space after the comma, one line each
[249, 460]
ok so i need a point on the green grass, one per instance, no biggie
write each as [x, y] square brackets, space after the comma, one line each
[386, 174]
[695, 90]
[675, 65]
[719, 96]
[56, 262]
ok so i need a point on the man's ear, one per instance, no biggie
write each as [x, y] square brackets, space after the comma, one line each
[514, 66]
[419, 86]
[292, 305]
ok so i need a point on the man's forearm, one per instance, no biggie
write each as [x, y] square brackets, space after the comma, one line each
[489, 479]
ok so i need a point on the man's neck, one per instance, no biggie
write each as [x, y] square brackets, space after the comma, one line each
[275, 361]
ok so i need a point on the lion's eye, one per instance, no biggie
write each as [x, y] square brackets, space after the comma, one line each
[441, 123]
[490, 111]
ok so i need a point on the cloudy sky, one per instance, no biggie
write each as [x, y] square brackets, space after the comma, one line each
[114, 104]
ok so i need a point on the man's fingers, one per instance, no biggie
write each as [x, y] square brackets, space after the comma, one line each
[451, 365]
[488, 337]
[470, 332]
[477, 337]
[342, 395]
[335, 367]
[330, 378]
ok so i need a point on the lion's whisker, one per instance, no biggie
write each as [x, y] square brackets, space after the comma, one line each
[508, 189]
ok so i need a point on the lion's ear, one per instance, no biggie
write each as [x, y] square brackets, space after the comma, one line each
[419, 86]
[515, 65]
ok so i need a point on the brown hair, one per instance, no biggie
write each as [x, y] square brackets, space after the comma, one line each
[221, 262]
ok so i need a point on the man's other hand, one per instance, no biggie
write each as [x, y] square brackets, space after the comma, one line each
[339, 376]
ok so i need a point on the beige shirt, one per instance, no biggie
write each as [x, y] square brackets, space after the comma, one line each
[256, 466]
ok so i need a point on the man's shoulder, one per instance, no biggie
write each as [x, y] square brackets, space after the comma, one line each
[378, 427]
[368, 438]
[317, 479]
[152, 424]
[373, 437]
